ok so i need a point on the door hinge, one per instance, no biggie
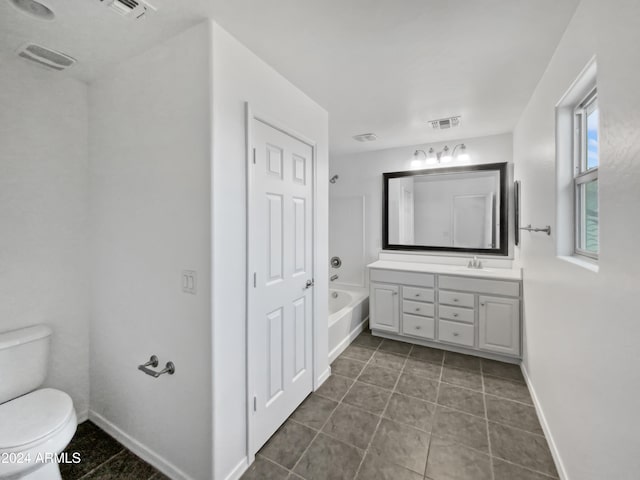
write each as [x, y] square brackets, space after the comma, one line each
[254, 280]
[255, 403]
[254, 156]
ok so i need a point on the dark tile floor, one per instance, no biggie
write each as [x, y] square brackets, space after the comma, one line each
[103, 458]
[392, 411]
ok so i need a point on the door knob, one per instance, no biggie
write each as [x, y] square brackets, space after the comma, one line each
[309, 284]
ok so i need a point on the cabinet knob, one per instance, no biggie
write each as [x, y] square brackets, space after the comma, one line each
[455, 299]
[418, 327]
[417, 294]
[455, 314]
[394, 293]
[482, 304]
[417, 309]
[455, 334]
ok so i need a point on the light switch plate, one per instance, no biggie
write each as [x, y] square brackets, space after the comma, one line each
[189, 281]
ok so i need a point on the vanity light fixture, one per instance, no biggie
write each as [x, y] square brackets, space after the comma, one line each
[420, 157]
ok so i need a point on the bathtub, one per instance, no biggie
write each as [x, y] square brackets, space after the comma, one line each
[348, 315]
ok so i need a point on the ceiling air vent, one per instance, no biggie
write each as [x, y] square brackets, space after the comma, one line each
[444, 123]
[130, 8]
[46, 57]
[365, 137]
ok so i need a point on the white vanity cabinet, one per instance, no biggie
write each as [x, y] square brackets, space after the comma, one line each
[499, 325]
[447, 307]
[383, 302]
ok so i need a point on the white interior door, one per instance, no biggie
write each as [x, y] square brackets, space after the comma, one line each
[280, 299]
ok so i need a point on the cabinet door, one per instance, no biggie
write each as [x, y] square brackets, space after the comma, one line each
[500, 325]
[385, 308]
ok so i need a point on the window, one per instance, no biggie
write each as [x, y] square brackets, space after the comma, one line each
[585, 178]
[577, 163]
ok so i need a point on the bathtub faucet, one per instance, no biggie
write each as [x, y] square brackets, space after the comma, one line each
[333, 278]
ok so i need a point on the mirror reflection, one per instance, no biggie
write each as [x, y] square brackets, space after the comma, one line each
[458, 208]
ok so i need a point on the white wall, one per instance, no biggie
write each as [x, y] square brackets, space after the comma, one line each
[582, 329]
[238, 77]
[43, 213]
[361, 174]
[347, 216]
[150, 191]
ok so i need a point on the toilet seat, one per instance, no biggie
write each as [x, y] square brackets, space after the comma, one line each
[40, 424]
[33, 418]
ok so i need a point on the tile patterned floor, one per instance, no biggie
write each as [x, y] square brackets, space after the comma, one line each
[392, 411]
[103, 458]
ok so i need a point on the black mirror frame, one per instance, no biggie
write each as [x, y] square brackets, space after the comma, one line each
[503, 250]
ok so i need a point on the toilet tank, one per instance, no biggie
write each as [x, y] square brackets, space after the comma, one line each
[24, 355]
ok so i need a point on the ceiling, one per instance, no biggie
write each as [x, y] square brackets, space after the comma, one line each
[378, 66]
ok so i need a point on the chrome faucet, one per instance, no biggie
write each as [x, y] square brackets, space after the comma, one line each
[475, 263]
[333, 278]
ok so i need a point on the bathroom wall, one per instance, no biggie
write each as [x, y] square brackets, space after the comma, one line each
[582, 330]
[150, 150]
[361, 175]
[347, 215]
[239, 76]
[44, 201]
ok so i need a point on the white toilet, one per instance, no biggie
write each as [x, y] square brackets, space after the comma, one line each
[35, 425]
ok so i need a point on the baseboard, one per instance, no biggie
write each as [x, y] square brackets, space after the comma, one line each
[545, 427]
[238, 470]
[342, 346]
[323, 377]
[138, 448]
[446, 346]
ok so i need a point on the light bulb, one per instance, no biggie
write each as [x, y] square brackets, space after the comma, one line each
[417, 159]
[463, 156]
[431, 157]
[445, 156]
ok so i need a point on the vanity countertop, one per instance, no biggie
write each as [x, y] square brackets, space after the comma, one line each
[460, 270]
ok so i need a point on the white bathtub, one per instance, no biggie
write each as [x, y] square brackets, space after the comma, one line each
[348, 315]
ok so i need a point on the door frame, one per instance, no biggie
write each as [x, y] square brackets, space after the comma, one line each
[250, 116]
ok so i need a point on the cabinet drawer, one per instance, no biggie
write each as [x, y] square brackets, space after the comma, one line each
[453, 332]
[418, 308]
[418, 326]
[406, 278]
[479, 285]
[457, 299]
[418, 294]
[455, 313]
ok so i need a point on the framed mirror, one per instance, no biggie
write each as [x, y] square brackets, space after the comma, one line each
[516, 210]
[457, 209]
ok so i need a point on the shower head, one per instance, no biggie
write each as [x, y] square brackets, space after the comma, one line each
[334, 179]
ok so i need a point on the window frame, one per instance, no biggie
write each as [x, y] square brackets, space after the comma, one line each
[583, 175]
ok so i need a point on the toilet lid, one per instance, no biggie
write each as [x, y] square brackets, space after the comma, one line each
[33, 416]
